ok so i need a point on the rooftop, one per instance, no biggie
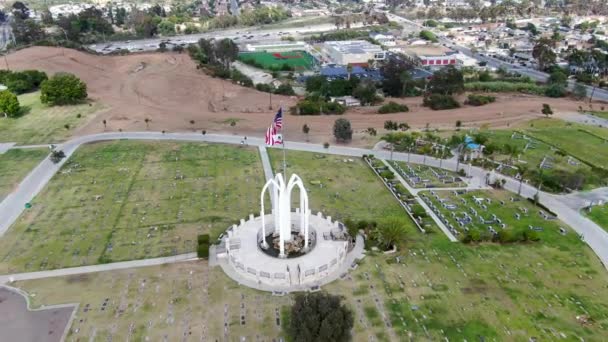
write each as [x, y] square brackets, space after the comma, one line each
[353, 46]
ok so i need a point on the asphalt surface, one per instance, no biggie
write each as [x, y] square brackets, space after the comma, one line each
[241, 35]
[13, 205]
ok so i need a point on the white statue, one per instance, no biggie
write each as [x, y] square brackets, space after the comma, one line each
[281, 196]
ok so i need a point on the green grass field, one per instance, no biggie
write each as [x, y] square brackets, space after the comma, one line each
[601, 114]
[341, 187]
[15, 164]
[430, 290]
[268, 61]
[570, 137]
[41, 124]
[599, 215]
[130, 200]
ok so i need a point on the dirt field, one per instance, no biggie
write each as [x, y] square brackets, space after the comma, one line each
[17, 323]
[168, 90]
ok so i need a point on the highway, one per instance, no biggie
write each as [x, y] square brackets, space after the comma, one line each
[239, 35]
[598, 94]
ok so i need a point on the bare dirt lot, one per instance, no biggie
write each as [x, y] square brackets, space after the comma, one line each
[17, 323]
[168, 90]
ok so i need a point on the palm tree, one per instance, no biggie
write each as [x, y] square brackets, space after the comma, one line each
[512, 151]
[390, 231]
[404, 78]
[192, 123]
[522, 170]
[147, 121]
[349, 70]
[105, 124]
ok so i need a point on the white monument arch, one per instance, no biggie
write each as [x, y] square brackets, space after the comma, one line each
[286, 250]
[281, 210]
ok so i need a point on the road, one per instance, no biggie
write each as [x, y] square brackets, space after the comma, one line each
[239, 35]
[598, 94]
[13, 205]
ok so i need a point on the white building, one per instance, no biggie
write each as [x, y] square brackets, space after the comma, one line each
[383, 39]
[277, 47]
[353, 52]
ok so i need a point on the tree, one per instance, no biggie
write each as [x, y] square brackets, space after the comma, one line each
[366, 92]
[447, 81]
[547, 110]
[458, 124]
[56, 156]
[523, 171]
[320, 317]
[579, 92]
[147, 121]
[9, 104]
[63, 89]
[397, 81]
[543, 53]
[558, 76]
[305, 130]
[26, 31]
[342, 130]
[20, 10]
[105, 124]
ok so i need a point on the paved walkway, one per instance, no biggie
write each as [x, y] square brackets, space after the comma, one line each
[13, 205]
[9, 278]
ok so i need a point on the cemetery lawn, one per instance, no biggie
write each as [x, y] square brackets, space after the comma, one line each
[599, 215]
[429, 176]
[161, 302]
[529, 214]
[125, 200]
[338, 186]
[41, 124]
[436, 290]
[15, 164]
[571, 136]
[601, 114]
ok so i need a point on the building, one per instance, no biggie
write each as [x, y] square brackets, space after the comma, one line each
[383, 39]
[353, 52]
[438, 60]
[277, 47]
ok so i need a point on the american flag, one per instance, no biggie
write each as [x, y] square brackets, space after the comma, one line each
[278, 119]
[272, 135]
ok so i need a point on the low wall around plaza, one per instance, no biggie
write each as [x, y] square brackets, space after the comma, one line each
[244, 256]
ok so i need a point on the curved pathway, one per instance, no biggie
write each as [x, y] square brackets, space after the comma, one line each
[34, 182]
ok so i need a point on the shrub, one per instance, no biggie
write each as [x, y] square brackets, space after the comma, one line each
[203, 239]
[56, 156]
[343, 130]
[509, 87]
[9, 104]
[555, 90]
[392, 107]
[20, 82]
[63, 89]
[440, 102]
[388, 174]
[479, 100]
[202, 251]
[428, 35]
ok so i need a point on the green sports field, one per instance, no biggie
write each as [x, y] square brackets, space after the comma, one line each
[291, 60]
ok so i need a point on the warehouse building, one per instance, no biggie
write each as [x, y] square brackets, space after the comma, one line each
[354, 52]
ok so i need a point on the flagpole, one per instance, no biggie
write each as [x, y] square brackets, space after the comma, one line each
[283, 138]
